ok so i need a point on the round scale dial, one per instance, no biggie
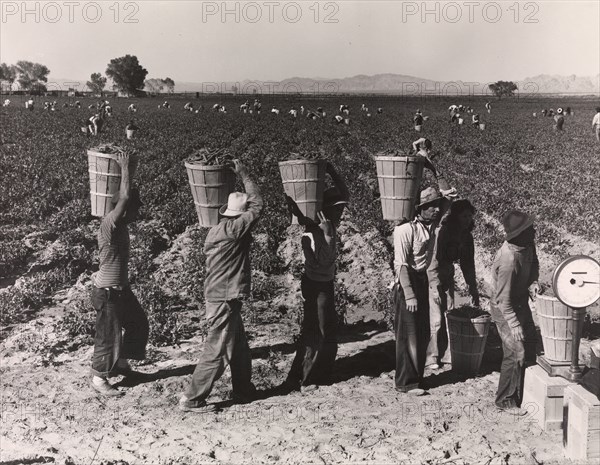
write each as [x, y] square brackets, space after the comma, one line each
[576, 281]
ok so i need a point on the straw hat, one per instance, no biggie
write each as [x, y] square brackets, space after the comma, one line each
[429, 195]
[515, 222]
[237, 204]
[333, 197]
[559, 111]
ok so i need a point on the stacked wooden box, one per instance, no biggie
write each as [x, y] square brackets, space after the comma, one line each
[543, 397]
[581, 431]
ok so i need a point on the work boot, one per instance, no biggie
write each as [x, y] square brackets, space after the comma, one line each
[103, 387]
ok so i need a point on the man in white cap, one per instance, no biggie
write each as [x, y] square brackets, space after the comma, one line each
[317, 346]
[413, 248]
[596, 123]
[559, 120]
[227, 282]
[515, 274]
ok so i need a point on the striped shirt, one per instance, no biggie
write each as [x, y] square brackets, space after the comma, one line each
[113, 242]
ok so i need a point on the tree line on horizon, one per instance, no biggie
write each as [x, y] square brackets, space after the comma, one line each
[127, 74]
[129, 77]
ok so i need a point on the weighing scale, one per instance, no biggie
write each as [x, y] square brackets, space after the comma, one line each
[576, 283]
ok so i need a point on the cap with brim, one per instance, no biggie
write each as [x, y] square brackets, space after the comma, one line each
[333, 197]
[224, 211]
[428, 196]
[236, 205]
[515, 222]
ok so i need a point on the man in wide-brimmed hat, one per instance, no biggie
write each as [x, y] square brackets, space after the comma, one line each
[227, 282]
[515, 274]
[317, 346]
[413, 247]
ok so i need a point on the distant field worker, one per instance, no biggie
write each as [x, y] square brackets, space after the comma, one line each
[475, 120]
[30, 104]
[227, 283]
[454, 244]
[596, 123]
[559, 120]
[488, 107]
[121, 324]
[6, 103]
[515, 274]
[317, 346]
[424, 148]
[95, 124]
[418, 120]
[453, 111]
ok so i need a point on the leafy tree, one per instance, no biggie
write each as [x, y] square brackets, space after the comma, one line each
[31, 75]
[503, 88]
[154, 85]
[8, 73]
[96, 83]
[127, 73]
[170, 84]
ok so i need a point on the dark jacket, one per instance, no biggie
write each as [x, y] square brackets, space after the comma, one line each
[515, 268]
[227, 249]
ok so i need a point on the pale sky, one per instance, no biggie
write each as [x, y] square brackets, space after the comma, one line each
[193, 41]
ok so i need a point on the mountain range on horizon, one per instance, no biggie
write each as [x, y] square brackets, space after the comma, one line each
[380, 83]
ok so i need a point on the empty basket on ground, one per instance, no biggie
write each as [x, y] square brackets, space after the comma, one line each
[556, 325]
[130, 133]
[211, 186]
[468, 330]
[304, 182]
[105, 179]
[482, 126]
[399, 181]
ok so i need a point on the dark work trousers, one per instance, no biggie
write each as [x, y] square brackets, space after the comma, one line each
[121, 329]
[317, 346]
[515, 353]
[226, 344]
[412, 333]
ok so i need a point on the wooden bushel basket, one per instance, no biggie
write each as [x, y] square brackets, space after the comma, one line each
[399, 182]
[556, 325]
[418, 128]
[304, 182]
[130, 133]
[467, 341]
[105, 180]
[211, 186]
[482, 126]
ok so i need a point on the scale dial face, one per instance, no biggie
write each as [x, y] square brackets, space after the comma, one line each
[576, 281]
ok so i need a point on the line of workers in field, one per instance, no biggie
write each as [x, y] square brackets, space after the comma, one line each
[425, 252]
